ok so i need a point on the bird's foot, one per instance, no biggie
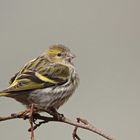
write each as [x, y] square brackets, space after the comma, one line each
[55, 114]
[59, 116]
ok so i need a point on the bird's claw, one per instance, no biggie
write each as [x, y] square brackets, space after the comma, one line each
[58, 116]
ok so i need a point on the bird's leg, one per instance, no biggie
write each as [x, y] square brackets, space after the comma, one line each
[52, 111]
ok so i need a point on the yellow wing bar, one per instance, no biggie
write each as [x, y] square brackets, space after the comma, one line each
[44, 78]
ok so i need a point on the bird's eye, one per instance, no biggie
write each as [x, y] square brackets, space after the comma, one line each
[59, 54]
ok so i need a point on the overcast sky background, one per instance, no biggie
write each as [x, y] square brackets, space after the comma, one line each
[105, 36]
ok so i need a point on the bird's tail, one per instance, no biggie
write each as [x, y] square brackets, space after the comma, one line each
[3, 94]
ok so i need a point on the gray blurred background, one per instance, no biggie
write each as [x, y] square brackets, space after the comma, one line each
[105, 36]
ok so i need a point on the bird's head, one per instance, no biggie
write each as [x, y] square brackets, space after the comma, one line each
[60, 54]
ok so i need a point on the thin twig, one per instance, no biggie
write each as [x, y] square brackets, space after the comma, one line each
[31, 120]
[74, 134]
[84, 124]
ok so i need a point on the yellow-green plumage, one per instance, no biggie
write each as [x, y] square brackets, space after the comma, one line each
[47, 81]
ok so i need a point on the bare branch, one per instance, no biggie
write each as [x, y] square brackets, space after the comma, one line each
[31, 120]
[82, 123]
[74, 134]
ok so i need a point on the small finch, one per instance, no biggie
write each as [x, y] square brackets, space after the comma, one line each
[47, 81]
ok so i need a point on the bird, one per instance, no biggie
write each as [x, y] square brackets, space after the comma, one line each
[47, 81]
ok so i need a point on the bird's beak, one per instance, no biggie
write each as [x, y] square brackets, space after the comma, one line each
[72, 56]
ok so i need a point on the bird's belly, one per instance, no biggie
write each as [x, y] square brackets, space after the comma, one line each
[52, 97]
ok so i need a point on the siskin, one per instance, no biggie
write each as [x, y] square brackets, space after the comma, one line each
[47, 81]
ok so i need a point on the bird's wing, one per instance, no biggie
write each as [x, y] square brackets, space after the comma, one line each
[39, 75]
[13, 78]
